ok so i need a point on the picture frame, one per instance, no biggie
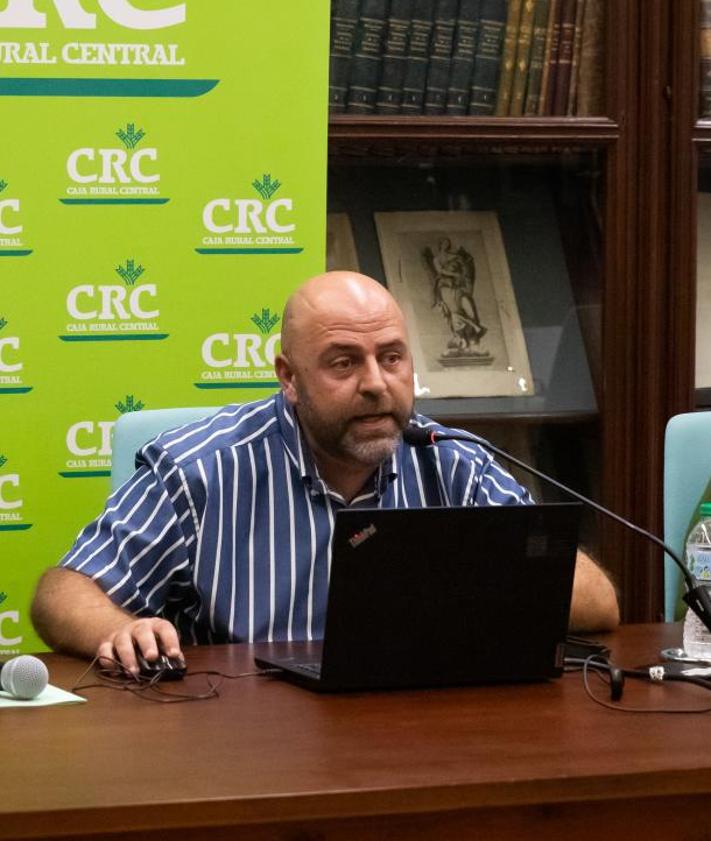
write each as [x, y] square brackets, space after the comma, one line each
[449, 273]
[703, 292]
[341, 254]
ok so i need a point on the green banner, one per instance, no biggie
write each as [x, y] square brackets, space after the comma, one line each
[162, 190]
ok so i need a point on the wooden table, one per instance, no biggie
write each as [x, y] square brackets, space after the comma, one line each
[268, 760]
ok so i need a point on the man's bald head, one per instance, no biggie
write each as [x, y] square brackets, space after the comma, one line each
[346, 368]
[335, 297]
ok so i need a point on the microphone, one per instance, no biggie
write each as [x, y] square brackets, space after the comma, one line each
[697, 595]
[24, 677]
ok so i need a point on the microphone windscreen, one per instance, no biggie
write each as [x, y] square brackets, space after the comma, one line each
[24, 677]
[417, 436]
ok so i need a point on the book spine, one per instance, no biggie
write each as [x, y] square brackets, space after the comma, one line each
[487, 58]
[551, 61]
[413, 88]
[367, 56]
[565, 57]
[705, 36]
[465, 38]
[575, 64]
[344, 18]
[440, 56]
[503, 96]
[592, 52]
[392, 71]
[523, 58]
[538, 49]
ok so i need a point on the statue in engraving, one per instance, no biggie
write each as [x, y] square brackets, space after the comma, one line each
[452, 274]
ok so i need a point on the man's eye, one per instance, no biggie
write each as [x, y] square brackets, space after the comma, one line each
[341, 364]
[392, 358]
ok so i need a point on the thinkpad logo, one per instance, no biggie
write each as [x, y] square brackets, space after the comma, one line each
[362, 535]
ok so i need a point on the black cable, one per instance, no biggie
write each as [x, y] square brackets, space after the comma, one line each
[119, 678]
[654, 674]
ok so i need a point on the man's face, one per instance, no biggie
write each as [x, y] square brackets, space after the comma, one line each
[352, 385]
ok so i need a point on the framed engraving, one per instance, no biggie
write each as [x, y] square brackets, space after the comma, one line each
[449, 273]
[703, 292]
[341, 252]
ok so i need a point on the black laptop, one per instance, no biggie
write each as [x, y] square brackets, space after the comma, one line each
[442, 597]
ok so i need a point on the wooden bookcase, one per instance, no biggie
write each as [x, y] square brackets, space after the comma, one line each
[638, 280]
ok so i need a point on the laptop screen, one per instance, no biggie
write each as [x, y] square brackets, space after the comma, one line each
[440, 596]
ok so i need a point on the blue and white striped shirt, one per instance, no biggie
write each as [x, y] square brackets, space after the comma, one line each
[225, 529]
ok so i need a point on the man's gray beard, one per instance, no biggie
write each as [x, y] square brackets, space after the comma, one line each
[372, 451]
[338, 440]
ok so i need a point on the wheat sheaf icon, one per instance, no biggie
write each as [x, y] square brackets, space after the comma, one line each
[130, 405]
[3, 185]
[3, 461]
[265, 321]
[130, 272]
[129, 136]
[3, 322]
[266, 187]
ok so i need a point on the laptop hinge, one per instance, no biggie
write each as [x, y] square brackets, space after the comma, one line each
[560, 655]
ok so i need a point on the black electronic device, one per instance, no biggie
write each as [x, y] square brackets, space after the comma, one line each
[163, 668]
[443, 597]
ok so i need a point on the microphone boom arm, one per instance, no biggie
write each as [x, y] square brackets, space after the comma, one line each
[697, 595]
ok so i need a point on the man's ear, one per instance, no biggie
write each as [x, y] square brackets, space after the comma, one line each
[286, 376]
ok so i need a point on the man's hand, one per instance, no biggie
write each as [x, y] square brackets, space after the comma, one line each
[151, 637]
[71, 613]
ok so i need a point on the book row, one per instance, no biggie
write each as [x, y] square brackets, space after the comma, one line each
[458, 57]
[705, 53]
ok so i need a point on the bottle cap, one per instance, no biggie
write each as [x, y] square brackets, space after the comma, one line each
[705, 509]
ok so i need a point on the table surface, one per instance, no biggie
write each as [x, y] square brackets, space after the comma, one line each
[268, 751]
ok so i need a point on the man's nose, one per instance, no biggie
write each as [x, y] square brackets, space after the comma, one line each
[372, 381]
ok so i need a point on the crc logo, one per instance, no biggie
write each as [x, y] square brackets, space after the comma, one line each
[113, 302]
[243, 350]
[242, 356]
[9, 211]
[250, 216]
[10, 499]
[9, 352]
[239, 350]
[87, 439]
[8, 618]
[22, 14]
[115, 166]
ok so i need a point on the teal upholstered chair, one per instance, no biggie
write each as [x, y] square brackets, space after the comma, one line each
[134, 429]
[687, 473]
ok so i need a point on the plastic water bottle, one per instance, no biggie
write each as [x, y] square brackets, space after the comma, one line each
[697, 638]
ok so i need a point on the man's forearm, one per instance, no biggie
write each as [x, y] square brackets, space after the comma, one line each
[71, 613]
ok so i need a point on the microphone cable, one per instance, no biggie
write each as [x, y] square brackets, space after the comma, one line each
[614, 676]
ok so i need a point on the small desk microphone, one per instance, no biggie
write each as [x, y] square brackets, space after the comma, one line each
[24, 677]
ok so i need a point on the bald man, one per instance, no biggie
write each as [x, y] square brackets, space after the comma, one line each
[223, 534]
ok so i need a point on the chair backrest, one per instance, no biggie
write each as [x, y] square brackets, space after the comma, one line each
[134, 429]
[687, 472]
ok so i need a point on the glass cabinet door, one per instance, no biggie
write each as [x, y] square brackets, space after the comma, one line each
[496, 263]
[702, 375]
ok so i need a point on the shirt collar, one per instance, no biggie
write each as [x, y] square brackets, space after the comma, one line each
[299, 452]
